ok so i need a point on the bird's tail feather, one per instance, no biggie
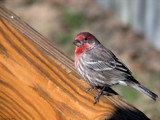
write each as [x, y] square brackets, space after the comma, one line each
[144, 90]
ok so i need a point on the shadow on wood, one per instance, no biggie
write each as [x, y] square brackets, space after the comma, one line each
[37, 81]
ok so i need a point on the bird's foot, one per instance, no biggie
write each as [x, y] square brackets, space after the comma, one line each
[91, 87]
[98, 95]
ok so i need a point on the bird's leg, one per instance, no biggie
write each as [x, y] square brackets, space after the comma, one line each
[98, 95]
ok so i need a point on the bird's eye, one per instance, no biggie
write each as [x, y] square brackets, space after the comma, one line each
[85, 39]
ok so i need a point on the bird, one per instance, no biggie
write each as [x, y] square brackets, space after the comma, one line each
[100, 68]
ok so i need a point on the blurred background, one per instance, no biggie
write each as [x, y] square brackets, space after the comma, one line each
[130, 28]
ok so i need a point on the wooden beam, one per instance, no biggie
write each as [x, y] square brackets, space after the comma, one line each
[37, 81]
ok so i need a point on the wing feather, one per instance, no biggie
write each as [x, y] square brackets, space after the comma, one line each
[100, 65]
[106, 61]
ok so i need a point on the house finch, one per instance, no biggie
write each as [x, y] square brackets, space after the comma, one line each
[100, 68]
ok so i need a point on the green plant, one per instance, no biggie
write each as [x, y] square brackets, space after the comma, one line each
[72, 20]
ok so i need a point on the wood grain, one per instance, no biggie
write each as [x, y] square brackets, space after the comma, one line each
[38, 82]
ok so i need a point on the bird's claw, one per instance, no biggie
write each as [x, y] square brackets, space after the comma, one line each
[91, 87]
[97, 97]
[99, 94]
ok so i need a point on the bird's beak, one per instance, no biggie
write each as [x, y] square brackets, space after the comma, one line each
[77, 43]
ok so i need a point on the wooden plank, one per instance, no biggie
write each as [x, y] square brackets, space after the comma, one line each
[37, 81]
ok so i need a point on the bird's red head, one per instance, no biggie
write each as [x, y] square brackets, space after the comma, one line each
[84, 41]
